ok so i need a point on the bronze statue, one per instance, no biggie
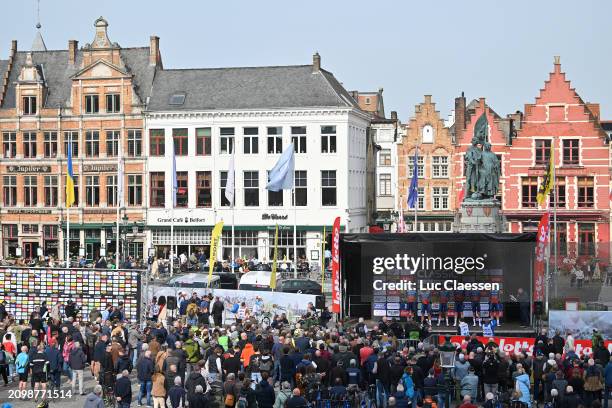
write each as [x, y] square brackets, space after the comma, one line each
[481, 166]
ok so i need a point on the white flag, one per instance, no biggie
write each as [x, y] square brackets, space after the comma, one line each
[231, 181]
[120, 176]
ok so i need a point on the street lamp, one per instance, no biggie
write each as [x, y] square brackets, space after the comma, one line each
[447, 361]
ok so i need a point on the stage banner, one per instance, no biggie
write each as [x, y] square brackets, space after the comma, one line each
[405, 275]
[512, 345]
[294, 305]
[540, 262]
[24, 289]
[581, 323]
[336, 266]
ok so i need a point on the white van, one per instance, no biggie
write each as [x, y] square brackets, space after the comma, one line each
[256, 280]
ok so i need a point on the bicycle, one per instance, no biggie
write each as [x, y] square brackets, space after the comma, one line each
[108, 397]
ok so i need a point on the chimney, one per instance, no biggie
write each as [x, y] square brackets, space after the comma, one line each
[355, 95]
[557, 60]
[316, 62]
[154, 50]
[13, 47]
[73, 46]
[393, 115]
[428, 99]
[459, 117]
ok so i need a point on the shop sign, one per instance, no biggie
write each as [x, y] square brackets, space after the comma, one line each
[274, 217]
[28, 169]
[97, 168]
[28, 211]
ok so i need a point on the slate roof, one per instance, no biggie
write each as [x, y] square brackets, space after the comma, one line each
[248, 88]
[57, 72]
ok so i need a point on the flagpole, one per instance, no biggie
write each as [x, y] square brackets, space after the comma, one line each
[233, 204]
[416, 204]
[67, 206]
[117, 246]
[294, 234]
[172, 232]
[554, 176]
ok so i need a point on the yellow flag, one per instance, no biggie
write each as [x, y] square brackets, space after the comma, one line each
[547, 183]
[214, 244]
[273, 276]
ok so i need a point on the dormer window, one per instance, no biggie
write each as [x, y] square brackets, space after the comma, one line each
[29, 105]
[92, 104]
[113, 103]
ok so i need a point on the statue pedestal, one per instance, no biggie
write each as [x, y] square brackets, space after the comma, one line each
[482, 216]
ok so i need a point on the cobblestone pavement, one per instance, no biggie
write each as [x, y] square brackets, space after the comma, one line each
[69, 400]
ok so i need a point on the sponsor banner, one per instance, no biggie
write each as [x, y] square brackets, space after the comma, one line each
[512, 345]
[540, 262]
[581, 323]
[336, 266]
[292, 304]
[214, 244]
[24, 289]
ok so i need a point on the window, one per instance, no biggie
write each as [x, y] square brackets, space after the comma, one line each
[29, 144]
[586, 197]
[9, 144]
[50, 232]
[92, 191]
[439, 166]
[74, 138]
[586, 239]
[227, 140]
[51, 191]
[92, 104]
[177, 99]
[440, 198]
[251, 188]
[29, 105]
[157, 189]
[420, 166]
[542, 151]
[561, 238]
[112, 143]
[251, 140]
[384, 184]
[301, 188]
[560, 191]
[421, 198]
[182, 193]
[571, 153]
[157, 142]
[204, 189]
[9, 231]
[275, 140]
[9, 191]
[180, 137]
[111, 191]
[30, 191]
[275, 198]
[384, 157]
[529, 189]
[29, 228]
[203, 142]
[428, 134]
[328, 139]
[50, 144]
[134, 142]
[134, 189]
[328, 188]
[298, 138]
[113, 103]
[223, 183]
[92, 143]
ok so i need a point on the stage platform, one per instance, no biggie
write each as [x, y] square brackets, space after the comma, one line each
[510, 329]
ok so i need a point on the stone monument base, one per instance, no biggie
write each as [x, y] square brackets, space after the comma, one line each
[482, 216]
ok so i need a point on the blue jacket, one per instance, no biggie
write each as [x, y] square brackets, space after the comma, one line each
[608, 374]
[55, 358]
[524, 384]
[145, 369]
[21, 362]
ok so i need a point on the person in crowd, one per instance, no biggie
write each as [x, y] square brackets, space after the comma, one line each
[123, 390]
[77, 361]
[145, 369]
[94, 399]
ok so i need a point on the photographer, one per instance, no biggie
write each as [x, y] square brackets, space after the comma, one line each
[490, 372]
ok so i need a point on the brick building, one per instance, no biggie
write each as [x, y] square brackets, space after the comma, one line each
[560, 120]
[94, 97]
[436, 203]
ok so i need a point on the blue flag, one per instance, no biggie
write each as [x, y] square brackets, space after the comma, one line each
[413, 193]
[281, 175]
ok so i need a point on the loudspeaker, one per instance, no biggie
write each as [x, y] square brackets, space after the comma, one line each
[171, 303]
[538, 308]
[320, 302]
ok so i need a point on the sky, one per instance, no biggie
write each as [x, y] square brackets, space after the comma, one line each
[502, 50]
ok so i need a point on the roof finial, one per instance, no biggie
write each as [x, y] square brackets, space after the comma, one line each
[38, 44]
[38, 25]
[557, 59]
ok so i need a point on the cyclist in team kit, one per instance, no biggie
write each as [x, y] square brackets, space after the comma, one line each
[475, 298]
[459, 297]
[425, 304]
[443, 301]
[495, 306]
[412, 303]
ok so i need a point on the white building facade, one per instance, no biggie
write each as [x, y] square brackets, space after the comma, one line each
[329, 136]
[385, 134]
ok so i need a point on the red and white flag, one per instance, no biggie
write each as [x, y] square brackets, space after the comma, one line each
[461, 194]
[335, 252]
